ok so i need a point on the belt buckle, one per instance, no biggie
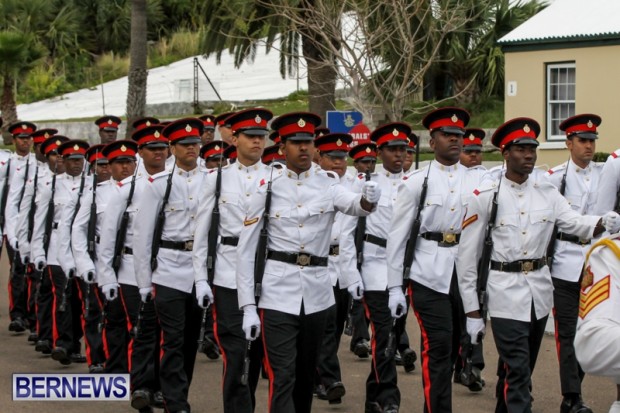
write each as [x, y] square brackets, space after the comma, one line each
[527, 266]
[303, 260]
[189, 245]
[448, 238]
[584, 241]
[335, 250]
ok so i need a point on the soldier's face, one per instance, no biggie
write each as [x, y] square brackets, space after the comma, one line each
[408, 160]
[447, 146]
[363, 166]
[22, 145]
[122, 169]
[74, 167]
[103, 171]
[471, 158]
[337, 164]
[214, 163]
[393, 158]
[298, 155]
[56, 163]
[520, 159]
[107, 136]
[37, 153]
[207, 136]
[186, 155]
[249, 147]
[154, 158]
[581, 150]
[226, 134]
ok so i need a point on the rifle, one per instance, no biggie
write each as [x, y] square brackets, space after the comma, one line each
[203, 331]
[5, 193]
[121, 234]
[19, 204]
[554, 233]
[415, 230]
[213, 229]
[360, 232]
[49, 217]
[390, 349]
[92, 219]
[159, 223]
[33, 204]
[135, 331]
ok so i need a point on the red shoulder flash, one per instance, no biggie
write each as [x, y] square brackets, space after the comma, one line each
[119, 184]
[360, 176]
[211, 171]
[476, 192]
[613, 155]
[405, 178]
[550, 171]
[151, 179]
[262, 182]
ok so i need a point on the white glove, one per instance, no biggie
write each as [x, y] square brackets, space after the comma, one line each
[88, 277]
[611, 222]
[203, 291]
[251, 322]
[146, 294]
[25, 259]
[474, 327]
[397, 302]
[371, 192]
[13, 243]
[356, 290]
[40, 263]
[110, 291]
[71, 272]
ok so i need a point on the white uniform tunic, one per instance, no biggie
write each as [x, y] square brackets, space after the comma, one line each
[443, 212]
[238, 184]
[300, 218]
[374, 268]
[607, 188]
[598, 326]
[117, 203]
[580, 193]
[174, 269]
[525, 219]
[334, 264]
[21, 228]
[19, 165]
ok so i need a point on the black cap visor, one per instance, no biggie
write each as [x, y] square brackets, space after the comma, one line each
[189, 140]
[584, 135]
[451, 130]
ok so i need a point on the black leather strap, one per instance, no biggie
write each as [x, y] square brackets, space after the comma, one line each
[444, 239]
[177, 245]
[382, 242]
[232, 241]
[572, 238]
[128, 251]
[297, 258]
[519, 266]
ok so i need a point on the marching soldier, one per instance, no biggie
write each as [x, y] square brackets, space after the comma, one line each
[142, 123]
[115, 268]
[598, 328]
[213, 154]
[293, 235]
[164, 233]
[230, 153]
[19, 228]
[208, 129]
[223, 126]
[108, 128]
[229, 190]
[519, 287]
[410, 153]
[431, 198]
[54, 194]
[471, 156]
[577, 180]
[18, 169]
[273, 155]
[382, 394]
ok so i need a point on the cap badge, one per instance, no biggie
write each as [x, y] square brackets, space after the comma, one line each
[454, 118]
[123, 148]
[58, 142]
[157, 134]
[408, 141]
[526, 128]
[24, 126]
[76, 147]
[46, 135]
[217, 147]
[301, 123]
[280, 151]
[472, 137]
[590, 124]
[368, 150]
[148, 123]
[188, 128]
[338, 142]
[109, 121]
[258, 119]
[395, 132]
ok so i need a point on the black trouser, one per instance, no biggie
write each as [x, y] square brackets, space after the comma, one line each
[227, 322]
[62, 323]
[439, 322]
[90, 322]
[143, 357]
[381, 384]
[75, 303]
[45, 307]
[33, 280]
[18, 289]
[360, 324]
[179, 317]
[565, 313]
[518, 343]
[115, 335]
[328, 365]
[291, 347]
[477, 351]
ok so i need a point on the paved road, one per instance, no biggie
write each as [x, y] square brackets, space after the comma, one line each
[17, 356]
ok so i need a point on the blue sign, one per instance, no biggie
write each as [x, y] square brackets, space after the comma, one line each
[343, 121]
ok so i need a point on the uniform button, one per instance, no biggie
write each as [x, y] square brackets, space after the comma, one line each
[451, 209]
[298, 205]
[522, 212]
[301, 225]
[520, 195]
[189, 179]
[393, 183]
[452, 191]
[524, 252]
[298, 183]
[191, 198]
[249, 176]
[452, 228]
[449, 175]
[302, 246]
[247, 194]
[277, 215]
[523, 232]
[192, 217]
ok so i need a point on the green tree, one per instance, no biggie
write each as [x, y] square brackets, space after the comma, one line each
[136, 92]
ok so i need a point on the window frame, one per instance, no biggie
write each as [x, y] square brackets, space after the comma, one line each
[548, 102]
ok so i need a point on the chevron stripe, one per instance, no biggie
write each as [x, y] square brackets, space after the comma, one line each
[596, 295]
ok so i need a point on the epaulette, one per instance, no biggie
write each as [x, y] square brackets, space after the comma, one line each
[615, 154]
[159, 175]
[486, 186]
[476, 168]
[544, 185]
[558, 168]
[277, 174]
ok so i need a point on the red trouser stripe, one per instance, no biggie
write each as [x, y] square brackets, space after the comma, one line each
[267, 364]
[426, 372]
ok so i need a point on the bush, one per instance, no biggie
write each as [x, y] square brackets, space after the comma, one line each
[600, 156]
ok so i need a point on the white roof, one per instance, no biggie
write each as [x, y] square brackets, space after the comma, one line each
[569, 19]
[259, 80]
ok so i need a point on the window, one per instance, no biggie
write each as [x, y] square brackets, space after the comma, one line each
[560, 97]
[184, 90]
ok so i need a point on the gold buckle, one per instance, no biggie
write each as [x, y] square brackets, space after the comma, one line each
[584, 241]
[335, 250]
[189, 245]
[303, 259]
[448, 238]
[527, 266]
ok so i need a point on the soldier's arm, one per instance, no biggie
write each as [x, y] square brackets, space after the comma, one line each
[12, 206]
[65, 255]
[572, 222]
[608, 185]
[403, 213]
[79, 236]
[110, 222]
[21, 227]
[348, 253]
[203, 223]
[36, 244]
[350, 202]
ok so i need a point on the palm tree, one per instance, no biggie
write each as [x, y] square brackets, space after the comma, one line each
[136, 93]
